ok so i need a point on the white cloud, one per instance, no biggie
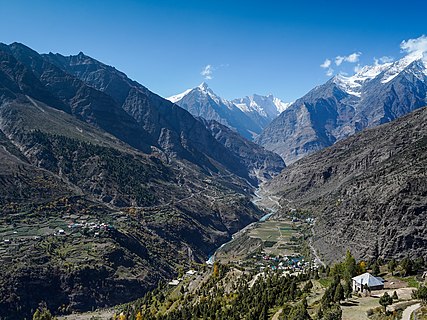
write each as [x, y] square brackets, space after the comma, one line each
[330, 72]
[382, 60]
[416, 46]
[357, 68]
[207, 72]
[339, 60]
[326, 64]
[386, 59]
[351, 58]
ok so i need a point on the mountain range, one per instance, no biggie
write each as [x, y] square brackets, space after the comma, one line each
[247, 116]
[367, 193]
[345, 105]
[106, 187]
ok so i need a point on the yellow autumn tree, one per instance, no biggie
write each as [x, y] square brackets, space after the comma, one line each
[361, 267]
[216, 270]
[138, 316]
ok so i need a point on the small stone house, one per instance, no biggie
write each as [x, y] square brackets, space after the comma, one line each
[373, 283]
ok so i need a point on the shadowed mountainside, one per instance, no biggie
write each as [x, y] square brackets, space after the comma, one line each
[368, 192]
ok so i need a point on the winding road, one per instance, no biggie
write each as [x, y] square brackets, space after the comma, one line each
[406, 315]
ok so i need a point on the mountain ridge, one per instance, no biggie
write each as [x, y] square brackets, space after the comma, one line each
[367, 192]
[345, 105]
[103, 191]
[248, 115]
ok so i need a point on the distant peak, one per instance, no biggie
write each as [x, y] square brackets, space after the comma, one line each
[203, 86]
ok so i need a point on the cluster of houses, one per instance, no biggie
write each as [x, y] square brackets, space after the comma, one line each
[92, 227]
[176, 282]
[294, 263]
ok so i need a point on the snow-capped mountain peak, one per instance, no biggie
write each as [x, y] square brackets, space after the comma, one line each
[203, 86]
[248, 115]
[178, 97]
[385, 72]
[267, 106]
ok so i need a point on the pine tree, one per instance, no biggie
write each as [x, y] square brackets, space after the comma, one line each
[392, 264]
[376, 269]
[385, 301]
[407, 266]
[394, 296]
[333, 313]
[349, 265]
[339, 293]
[308, 286]
[299, 312]
[348, 289]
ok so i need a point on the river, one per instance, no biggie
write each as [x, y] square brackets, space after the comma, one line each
[259, 200]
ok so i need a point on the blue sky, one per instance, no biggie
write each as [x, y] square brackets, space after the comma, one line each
[251, 46]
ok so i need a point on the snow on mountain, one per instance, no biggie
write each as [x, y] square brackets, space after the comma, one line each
[281, 106]
[344, 105]
[266, 106]
[202, 102]
[387, 71]
[176, 98]
[248, 115]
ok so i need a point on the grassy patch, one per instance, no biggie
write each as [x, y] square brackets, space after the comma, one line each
[325, 282]
[411, 281]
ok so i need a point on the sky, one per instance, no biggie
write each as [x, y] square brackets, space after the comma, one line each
[238, 47]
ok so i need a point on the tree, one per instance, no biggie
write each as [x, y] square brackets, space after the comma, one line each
[316, 274]
[361, 267]
[419, 264]
[333, 313]
[339, 293]
[299, 312]
[216, 270]
[349, 265]
[385, 301]
[421, 294]
[394, 296]
[348, 289]
[43, 313]
[392, 264]
[376, 269]
[138, 316]
[308, 286]
[407, 266]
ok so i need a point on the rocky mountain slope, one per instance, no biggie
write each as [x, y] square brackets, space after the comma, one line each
[261, 164]
[247, 116]
[203, 102]
[106, 187]
[368, 192]
[345, 105]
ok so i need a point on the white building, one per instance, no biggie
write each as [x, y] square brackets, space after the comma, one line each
[373, 283]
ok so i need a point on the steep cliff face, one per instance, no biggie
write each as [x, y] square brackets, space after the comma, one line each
[368, 192]
[98, 203]
[346, 105]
